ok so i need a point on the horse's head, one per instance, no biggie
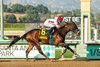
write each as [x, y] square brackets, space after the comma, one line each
[72, 27]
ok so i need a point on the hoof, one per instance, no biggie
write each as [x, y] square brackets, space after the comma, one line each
[75, 56]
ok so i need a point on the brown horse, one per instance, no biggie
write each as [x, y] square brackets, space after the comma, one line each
[58, 37]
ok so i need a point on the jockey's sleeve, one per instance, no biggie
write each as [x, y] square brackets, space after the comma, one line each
[58, 26]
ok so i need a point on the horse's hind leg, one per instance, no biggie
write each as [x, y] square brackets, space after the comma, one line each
[31, 45]
[40, 50]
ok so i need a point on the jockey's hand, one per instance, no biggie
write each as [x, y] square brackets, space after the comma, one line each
[59, 26]
[41, 26]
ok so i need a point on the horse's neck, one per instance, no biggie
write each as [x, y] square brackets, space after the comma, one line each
[64, 31]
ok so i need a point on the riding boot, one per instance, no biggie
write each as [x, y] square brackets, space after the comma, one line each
[50, 34]
[50, 39]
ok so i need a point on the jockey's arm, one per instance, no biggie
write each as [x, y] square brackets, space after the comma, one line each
[58, 26]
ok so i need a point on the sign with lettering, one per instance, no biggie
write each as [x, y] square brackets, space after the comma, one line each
[69, 19]
[18, 51]
[93, 51]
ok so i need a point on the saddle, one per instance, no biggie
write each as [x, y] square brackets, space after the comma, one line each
[45, 34]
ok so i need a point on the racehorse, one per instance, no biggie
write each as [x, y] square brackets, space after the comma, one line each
[58, 37]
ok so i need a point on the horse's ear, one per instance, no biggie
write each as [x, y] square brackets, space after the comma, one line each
[66, 23]
[71, 19]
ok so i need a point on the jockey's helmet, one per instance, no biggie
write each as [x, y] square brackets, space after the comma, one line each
[59, 18]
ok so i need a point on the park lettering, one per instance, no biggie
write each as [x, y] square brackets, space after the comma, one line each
[6, 53]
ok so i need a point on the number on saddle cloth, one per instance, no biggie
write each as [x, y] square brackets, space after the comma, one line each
[43, 33]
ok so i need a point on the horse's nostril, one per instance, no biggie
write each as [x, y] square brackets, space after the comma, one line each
[78, 32]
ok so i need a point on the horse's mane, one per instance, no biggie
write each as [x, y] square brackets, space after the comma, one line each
[64, 25]
[74, 26]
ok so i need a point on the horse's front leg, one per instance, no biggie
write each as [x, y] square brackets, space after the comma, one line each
[74, 52]
[63, 45]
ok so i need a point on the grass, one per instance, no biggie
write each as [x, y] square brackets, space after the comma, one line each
[14, 26]
[14, 29]
[68, 54]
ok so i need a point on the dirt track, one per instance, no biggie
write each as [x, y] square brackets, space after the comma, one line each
[46, 63]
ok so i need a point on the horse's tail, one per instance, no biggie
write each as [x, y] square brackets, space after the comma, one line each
[15, 40]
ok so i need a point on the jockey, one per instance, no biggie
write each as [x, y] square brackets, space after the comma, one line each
[53, 23]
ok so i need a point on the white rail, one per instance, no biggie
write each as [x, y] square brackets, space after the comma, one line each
[72, 41]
